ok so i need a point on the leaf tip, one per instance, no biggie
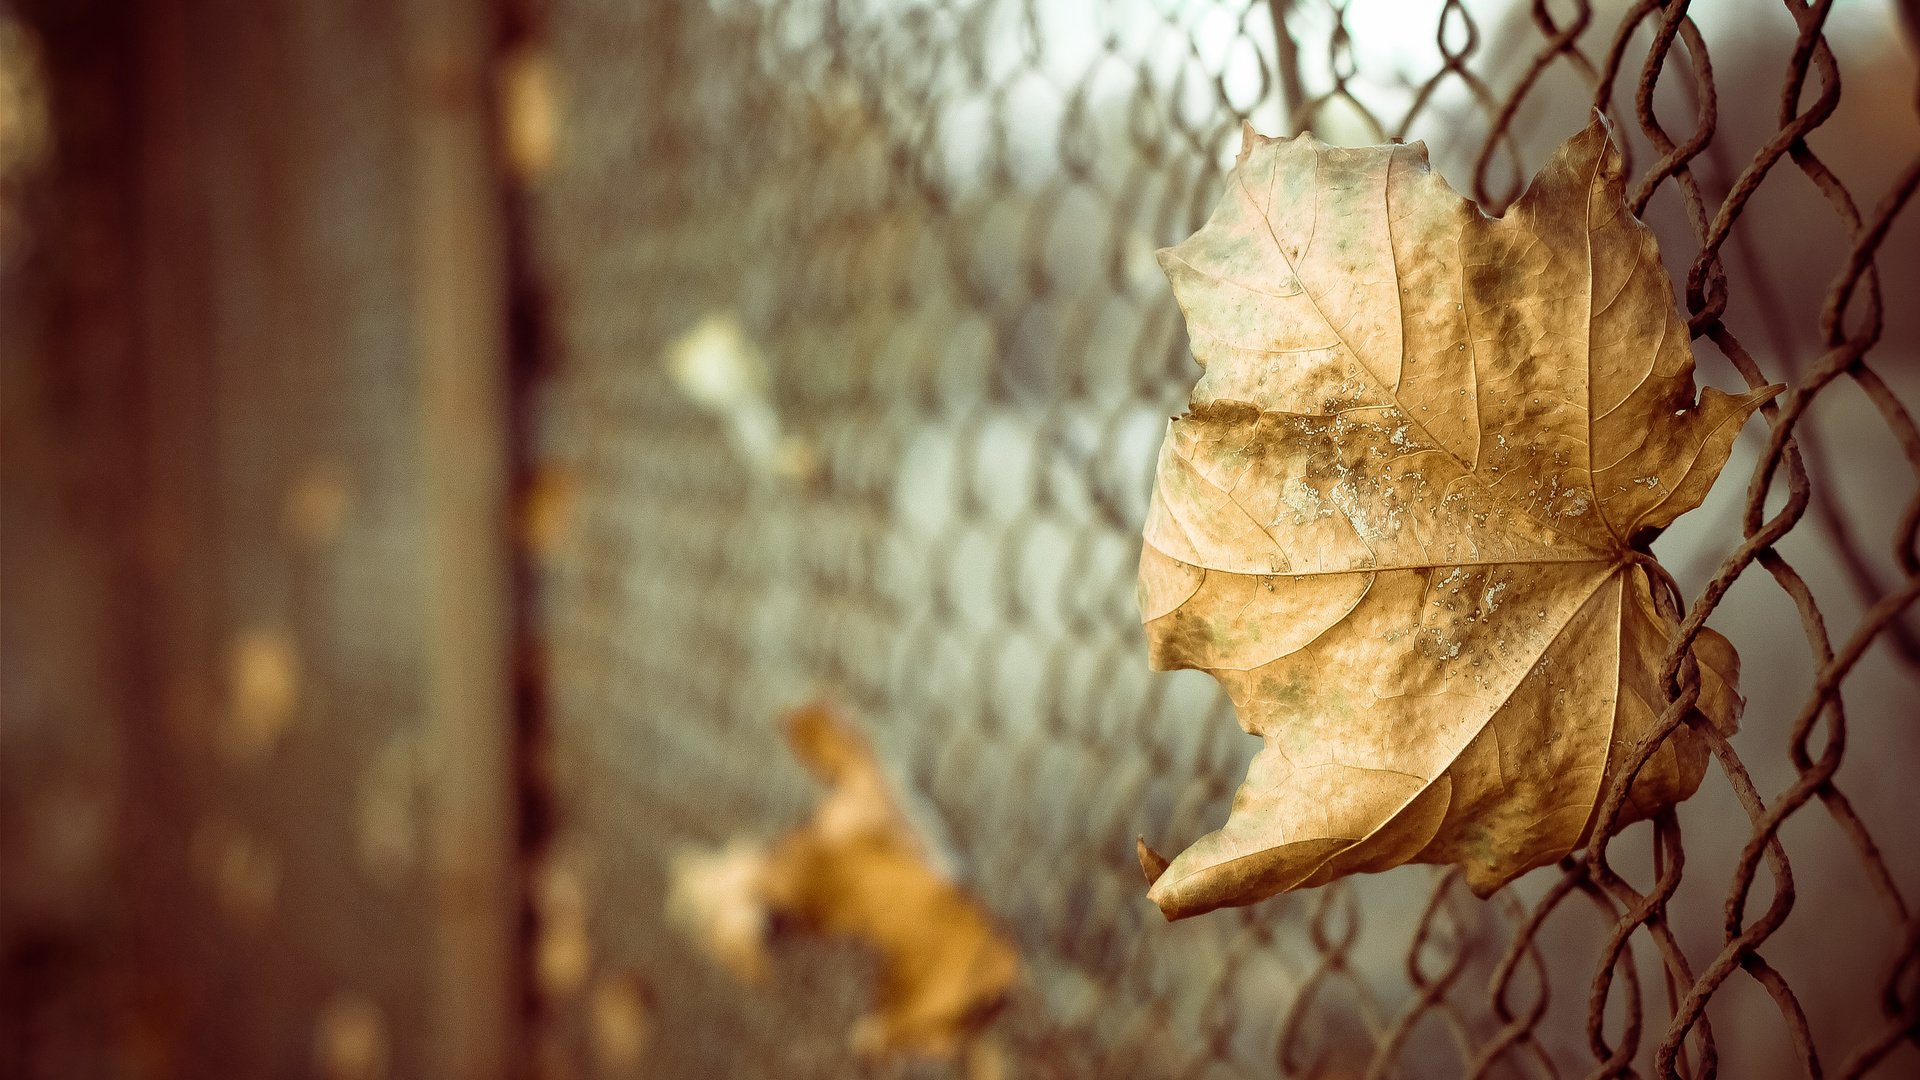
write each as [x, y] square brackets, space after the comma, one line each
[822, 741]
[1152, 863]
[1483, 880]
[1589, 160]
[1250, 140]
[1720, 701]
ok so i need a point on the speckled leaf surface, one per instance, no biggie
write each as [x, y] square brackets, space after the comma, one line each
[1395, 523]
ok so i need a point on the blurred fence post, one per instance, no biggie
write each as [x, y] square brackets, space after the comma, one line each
[309, 497]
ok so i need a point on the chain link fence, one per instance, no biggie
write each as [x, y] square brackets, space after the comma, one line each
[839, 359]
[916, 241]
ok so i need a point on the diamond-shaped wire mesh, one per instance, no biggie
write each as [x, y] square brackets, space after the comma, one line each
[920, 237]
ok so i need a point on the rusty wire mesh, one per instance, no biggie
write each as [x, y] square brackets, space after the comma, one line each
[935, 223]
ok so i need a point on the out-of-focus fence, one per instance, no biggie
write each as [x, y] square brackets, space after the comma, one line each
[932, 226]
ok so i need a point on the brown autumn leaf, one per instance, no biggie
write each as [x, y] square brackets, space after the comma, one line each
[858, 868]
[1397, 522]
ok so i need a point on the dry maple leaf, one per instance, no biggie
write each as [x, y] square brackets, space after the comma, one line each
[1397, 522]
[858, 868]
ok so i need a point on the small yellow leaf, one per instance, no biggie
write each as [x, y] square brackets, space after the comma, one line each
[565, 951]
[857, 869]
[622, 1014]
[529, 126]
[350, 1040]
[263, 687]
[316, 505]
[546, 510]
[242, 872]
[1397, 523]
[717, 366]
[723, 371]
[388, 802]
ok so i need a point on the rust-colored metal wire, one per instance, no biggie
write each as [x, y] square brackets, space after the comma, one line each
[932, 224]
